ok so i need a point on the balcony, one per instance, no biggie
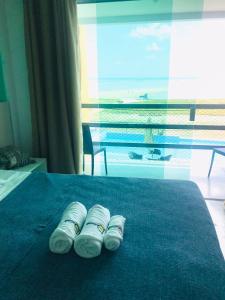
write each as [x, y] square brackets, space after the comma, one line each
[184, 133]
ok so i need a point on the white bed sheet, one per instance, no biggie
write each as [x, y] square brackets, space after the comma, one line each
[9, 180]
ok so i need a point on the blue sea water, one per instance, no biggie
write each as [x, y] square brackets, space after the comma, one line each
[156, 88]
[134, 87]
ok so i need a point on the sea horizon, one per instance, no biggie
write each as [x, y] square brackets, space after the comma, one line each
[146, 88]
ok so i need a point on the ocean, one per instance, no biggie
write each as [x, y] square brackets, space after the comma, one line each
[139, 87]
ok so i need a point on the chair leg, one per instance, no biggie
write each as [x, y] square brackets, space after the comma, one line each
[211, 164]
[83, 162]
[92, 164]
[106, 171]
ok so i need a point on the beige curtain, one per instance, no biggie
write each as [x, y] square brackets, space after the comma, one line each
[51, 33]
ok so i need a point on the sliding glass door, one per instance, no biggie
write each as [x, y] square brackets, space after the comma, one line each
[152, 86]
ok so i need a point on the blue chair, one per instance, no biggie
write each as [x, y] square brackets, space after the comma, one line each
[220, 151]
[88, 148]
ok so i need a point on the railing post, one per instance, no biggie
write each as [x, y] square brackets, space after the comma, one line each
[192, 114]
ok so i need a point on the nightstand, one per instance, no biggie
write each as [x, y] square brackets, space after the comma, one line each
[40, 165]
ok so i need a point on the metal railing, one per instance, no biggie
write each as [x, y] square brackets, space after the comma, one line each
[193, 108]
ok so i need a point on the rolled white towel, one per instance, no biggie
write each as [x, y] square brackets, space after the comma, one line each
[114, 233]
[61, 240]
[89, 243]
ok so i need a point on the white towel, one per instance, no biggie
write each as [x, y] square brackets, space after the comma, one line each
[89, 243]
[114, 234]
[69, 227]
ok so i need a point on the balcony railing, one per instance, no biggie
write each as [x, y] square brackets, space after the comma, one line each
[193, 112]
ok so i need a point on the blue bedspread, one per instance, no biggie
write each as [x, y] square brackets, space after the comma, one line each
[170, 249]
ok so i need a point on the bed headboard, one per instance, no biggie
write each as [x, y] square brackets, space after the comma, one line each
[6, 134]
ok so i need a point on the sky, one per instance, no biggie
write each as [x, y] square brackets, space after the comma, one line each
[185, 57]
[131, 50]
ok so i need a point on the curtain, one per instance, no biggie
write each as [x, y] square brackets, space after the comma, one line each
[51, 33]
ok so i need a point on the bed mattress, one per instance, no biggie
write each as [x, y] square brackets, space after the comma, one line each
[9, 180]
[170, 248]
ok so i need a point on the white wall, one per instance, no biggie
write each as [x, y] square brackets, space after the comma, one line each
[12, 49]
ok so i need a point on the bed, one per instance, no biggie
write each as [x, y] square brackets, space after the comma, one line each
[170, 249]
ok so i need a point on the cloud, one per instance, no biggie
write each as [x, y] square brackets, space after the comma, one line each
[153, 47]
[158, 30]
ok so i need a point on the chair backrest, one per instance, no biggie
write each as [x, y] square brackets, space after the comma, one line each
[87, 140]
